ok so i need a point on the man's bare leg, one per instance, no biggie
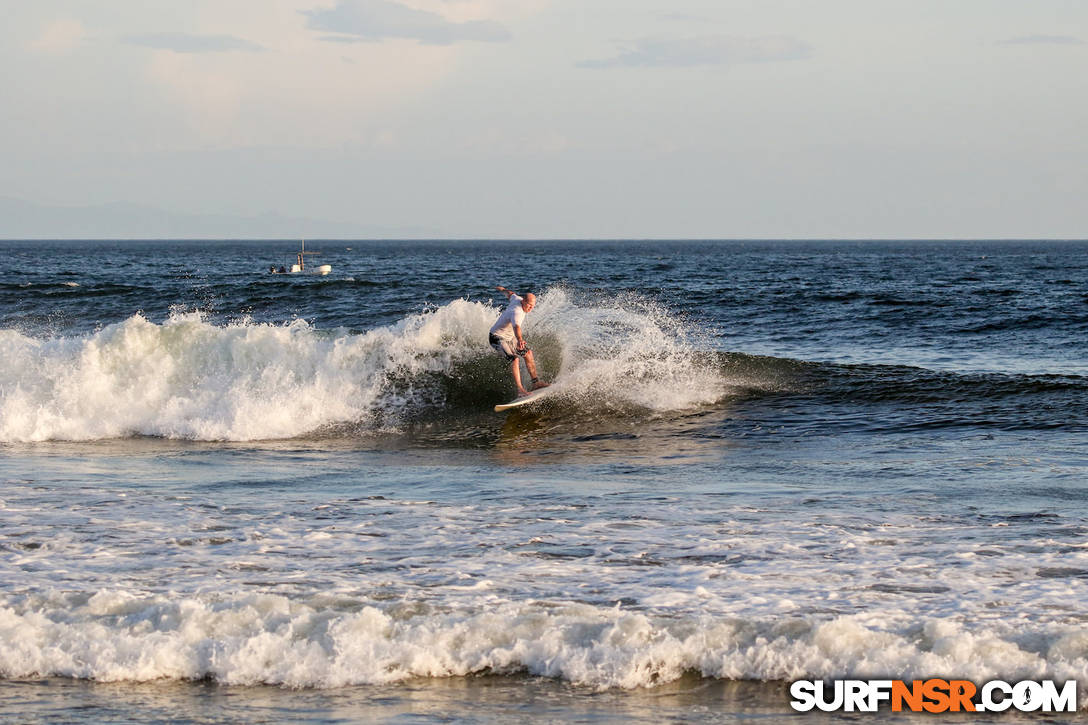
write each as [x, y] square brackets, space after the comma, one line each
[515, 367]
[531, 364]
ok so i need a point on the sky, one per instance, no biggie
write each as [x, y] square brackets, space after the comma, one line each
[545, 118]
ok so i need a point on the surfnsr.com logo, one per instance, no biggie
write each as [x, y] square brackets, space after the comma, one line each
[933, 695]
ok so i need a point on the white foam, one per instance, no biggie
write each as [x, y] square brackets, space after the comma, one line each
[187, 378]
[306, 590]
[268, 639]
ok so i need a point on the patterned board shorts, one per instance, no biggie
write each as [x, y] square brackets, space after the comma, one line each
[508, 348]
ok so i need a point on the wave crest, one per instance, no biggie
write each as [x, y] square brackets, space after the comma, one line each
[189, 379]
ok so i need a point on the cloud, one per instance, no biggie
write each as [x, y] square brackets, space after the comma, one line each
[1043, 40]
[375, 20]
[186, 43]
[703, 51]
[60, 36]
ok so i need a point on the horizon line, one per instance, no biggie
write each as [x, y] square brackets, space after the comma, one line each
[490, 238]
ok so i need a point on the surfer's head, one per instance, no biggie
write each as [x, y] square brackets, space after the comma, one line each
[528, 302]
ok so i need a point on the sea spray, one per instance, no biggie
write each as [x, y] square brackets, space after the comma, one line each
[628, 351]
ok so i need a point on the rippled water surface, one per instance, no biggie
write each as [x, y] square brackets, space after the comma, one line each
[761, 461]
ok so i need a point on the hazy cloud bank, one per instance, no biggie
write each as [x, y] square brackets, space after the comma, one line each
[376, 20]
[186, 43]
[28, 220]
[59, 36]
[705, 50]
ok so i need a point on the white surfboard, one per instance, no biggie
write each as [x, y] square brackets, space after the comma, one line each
[518, 402]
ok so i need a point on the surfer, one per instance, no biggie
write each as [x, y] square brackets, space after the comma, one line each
[507, 340]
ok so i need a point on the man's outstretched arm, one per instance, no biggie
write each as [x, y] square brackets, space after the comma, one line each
[506, 292]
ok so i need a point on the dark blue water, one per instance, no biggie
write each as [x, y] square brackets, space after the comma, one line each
[941, 302]
[761, 461]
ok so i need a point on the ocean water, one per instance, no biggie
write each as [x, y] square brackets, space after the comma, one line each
[248, 496]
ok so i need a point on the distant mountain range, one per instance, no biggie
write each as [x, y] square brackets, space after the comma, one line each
[20, 219]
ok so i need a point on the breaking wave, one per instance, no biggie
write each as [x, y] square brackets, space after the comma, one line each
[615, 358]
[270, 639]
[189, 379]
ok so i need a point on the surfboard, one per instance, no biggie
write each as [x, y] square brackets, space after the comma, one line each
[518, 402]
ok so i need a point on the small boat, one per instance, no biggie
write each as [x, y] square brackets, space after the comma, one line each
[300, 265]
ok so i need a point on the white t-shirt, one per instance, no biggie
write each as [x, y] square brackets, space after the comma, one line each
[512, 315]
